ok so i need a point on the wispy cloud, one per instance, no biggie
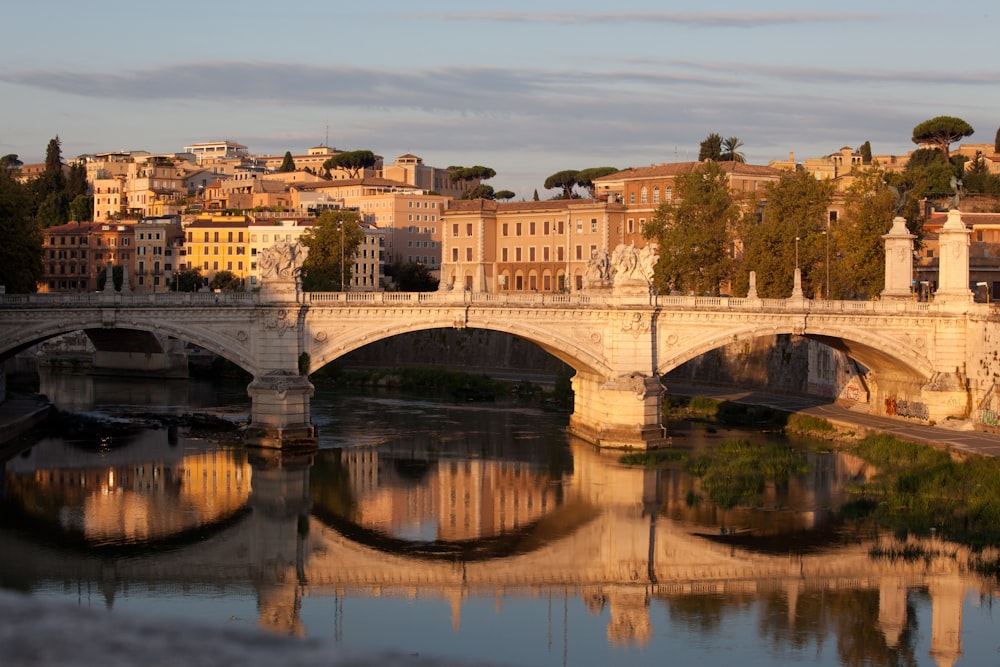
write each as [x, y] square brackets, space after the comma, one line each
[689, 19]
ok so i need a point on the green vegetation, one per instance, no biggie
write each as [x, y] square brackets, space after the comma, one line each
[922, 490]
[807, 424]
[737, 471]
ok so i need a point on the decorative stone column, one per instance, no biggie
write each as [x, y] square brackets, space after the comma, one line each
[953, 265]
[898, 261]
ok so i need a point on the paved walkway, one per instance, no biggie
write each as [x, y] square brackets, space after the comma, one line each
[956, 434]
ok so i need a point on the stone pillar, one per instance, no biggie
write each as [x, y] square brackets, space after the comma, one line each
[279, 414]
[898, 261]
[109, 279]
[623, 413]
[953, 265]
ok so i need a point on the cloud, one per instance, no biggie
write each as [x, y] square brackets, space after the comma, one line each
[688, 19]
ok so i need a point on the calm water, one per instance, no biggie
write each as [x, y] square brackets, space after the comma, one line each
[475, 531]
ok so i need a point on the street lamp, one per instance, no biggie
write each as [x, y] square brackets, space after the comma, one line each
[826, 233]
[796, 253]
[342, 287]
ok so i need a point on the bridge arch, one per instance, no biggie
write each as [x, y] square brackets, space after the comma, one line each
[327, 349]
[207, 337]
[878, 352]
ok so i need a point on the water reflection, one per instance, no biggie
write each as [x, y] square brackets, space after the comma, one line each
[432, 504]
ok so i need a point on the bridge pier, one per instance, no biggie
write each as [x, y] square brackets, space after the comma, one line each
[279, 413]
[623, 413]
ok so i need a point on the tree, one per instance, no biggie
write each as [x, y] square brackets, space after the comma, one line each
[565, 179]
[10, 162]
[730, 152]
[481, 191]
[188, 280]
[710, 148]
[996, 143]
[586, 177]
[328, 260]
[225, 280]
[287, 164]
[81, 208]
[941, 132]
[504, 195]
[857, 249]
[866, 152]
[795, 208]
[471, 178]
[20, 238]
[414, 277]
[352, 161]
[695, 233]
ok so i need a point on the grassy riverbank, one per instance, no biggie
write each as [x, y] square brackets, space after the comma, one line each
[909, 488]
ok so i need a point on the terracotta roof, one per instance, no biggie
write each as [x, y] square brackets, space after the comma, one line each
[347, 182]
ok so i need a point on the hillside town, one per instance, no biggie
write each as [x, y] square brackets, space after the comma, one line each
[210, 209]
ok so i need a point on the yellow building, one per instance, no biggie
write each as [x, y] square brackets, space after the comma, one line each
[218, 243]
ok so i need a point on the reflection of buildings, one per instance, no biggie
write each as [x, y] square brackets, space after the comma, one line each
[604, 538]
[448, 499]
[131, 497]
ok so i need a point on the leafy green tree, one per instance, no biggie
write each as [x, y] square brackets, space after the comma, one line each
[414, 277]
[695, 233]
[996, 143]
[287, 164]
[564, 179]
[978, 178]
[10, 162]
[504, 195]
[81, 208]
[710, 148]
[328, 260]
[188, 280]
[534, 197]
[730, 150]
[76, 183]
[790, 231]
[586, 177]
[866, 153]
[481, 191]
[20, 237]
[54, 209]
[857, 249]
[941, 132]
[468, 174]
[352, 161]
[226, 281]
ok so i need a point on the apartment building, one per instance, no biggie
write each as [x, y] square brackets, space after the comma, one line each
[159, 252]
[984, 248]
[216, 151]
[538, 246]
[68, 263]
[218, 243]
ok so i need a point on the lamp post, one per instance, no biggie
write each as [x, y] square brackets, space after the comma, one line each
[342, 286]
[826, 233]
[796, 253]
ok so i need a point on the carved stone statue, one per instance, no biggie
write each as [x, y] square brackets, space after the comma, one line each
[597, 272]
[281, 261]
[632, 268]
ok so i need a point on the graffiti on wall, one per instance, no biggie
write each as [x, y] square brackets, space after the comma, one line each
[902, 408]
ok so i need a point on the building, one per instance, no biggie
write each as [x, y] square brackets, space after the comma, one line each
[265, 232]
[218, 243]
[538, 246]
[215, 151]
[984, 251]
[159, 248]
[68, 259]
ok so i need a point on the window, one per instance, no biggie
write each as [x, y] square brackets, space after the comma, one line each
[468, 254]
[531, 228]
[517, 254]
[668, 193]
[454, 229]
[579, 226]
[656, 194]
[593, 224]
[545, 254]
[631, 226]
[643, 195]
[503, 254]
[531, 254]
[454, 254]
[468, 229]
[504, 232]
[579, 252]
[631, 197]
[517, 229]
[545, 228]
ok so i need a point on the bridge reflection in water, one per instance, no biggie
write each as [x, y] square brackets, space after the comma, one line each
[459, 521]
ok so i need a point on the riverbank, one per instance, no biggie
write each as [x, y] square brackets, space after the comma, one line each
[20, 414]
[954, 435]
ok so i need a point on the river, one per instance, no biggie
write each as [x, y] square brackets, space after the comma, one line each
[477, 531]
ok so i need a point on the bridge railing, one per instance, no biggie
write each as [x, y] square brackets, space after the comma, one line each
[488, 299]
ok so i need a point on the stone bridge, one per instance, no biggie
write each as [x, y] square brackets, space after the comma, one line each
[934, 359]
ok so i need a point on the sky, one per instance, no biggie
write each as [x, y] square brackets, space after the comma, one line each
[528, 90]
